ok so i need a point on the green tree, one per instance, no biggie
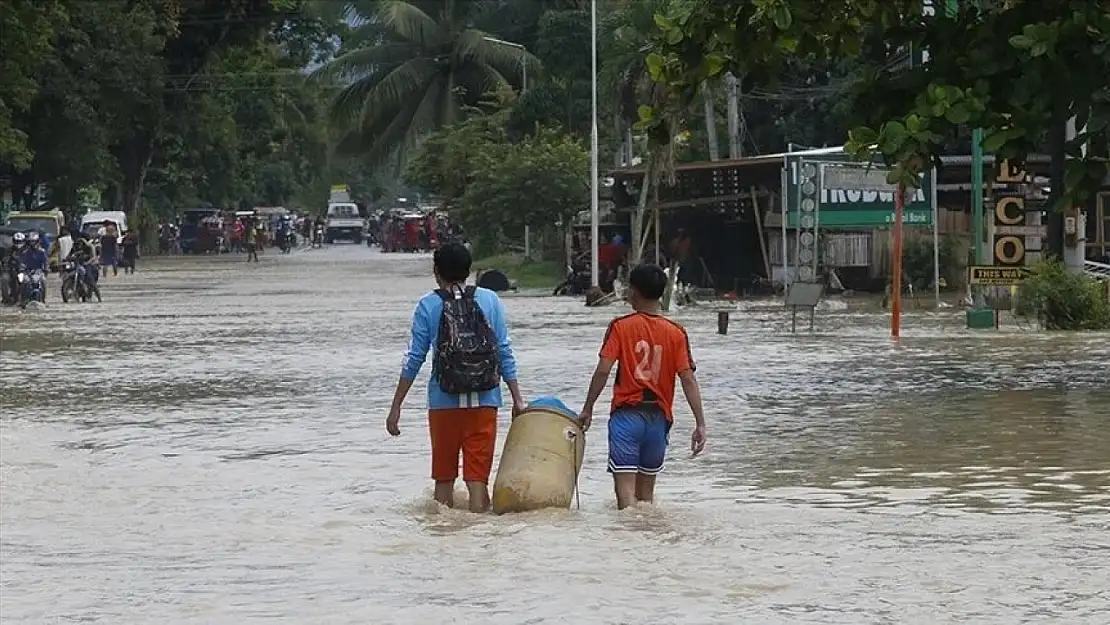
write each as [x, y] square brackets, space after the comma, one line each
[27, 28]
[1018, 70]
[419, 66]
[496, 187]
[540, 182]
[200, 32]
[1060, 300]
[449, 159]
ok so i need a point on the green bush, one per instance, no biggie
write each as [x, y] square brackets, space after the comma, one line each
[917, 262]
[1062, 300]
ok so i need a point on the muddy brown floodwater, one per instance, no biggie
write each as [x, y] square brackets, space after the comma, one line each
[206, 446]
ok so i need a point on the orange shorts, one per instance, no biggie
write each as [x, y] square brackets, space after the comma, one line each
[473, 431]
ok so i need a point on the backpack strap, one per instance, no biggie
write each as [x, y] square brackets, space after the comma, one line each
[456, 292]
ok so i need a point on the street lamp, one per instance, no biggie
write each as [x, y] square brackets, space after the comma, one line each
[523, 59]
[523, 88]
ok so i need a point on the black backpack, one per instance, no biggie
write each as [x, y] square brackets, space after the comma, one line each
[466, 359]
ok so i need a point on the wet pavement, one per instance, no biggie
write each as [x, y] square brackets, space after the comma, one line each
[206, 446]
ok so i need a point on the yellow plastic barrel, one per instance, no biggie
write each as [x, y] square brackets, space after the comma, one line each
[540, 462]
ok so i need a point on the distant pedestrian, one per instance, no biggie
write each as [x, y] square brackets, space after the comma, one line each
[130, 252]
[252, 242]
[109, 248]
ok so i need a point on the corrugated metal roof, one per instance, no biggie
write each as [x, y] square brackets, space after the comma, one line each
[988, 159]
[764, 159]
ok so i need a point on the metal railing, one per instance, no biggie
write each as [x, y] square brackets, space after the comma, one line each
[1096, 270]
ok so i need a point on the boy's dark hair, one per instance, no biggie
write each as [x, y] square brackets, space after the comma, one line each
[649, 280]
[452, 262]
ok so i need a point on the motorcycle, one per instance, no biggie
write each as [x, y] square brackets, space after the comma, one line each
[79, 282]
[318, 237]
[32, 287]
[284, 242]
[577, 281]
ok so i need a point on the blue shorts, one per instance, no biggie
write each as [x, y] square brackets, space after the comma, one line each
[637, 440]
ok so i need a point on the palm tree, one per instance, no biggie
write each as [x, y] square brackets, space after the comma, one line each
[417, 66]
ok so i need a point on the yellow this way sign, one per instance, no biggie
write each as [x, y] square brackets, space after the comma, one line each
[995, 276]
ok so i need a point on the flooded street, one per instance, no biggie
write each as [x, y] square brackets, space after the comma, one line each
[207, 446]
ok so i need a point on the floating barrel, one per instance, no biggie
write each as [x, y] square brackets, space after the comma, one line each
[541, 459]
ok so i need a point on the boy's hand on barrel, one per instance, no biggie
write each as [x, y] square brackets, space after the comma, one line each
[586, 417]
[393, 422]
[518, 398]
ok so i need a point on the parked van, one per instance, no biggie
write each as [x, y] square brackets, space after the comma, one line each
[93, 221]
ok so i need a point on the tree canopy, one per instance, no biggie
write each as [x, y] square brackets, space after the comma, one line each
[415, 67]
[154, 106]
[1017, 69]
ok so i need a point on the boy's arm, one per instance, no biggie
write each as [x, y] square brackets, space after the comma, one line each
[609, 355]
[692, 391]
[415, 355]
[505, 354]
[597, 382]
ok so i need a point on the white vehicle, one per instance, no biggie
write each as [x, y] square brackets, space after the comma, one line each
[93, 221]
[344, 222]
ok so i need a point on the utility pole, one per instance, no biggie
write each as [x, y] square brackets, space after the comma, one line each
[978, 227]
[732, 89]
[1073, 221]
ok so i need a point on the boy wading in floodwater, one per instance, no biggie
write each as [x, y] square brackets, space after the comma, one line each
[649, 351]
[467, 328]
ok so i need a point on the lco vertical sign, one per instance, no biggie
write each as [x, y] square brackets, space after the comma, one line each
[1009, 217]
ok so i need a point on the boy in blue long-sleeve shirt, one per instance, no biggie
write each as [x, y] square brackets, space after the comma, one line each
[465, 423]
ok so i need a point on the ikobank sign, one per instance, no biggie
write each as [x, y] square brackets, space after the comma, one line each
[848, 208]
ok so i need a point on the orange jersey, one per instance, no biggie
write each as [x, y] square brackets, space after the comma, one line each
[650, 352]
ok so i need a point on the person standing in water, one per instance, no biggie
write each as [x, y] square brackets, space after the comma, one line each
[650, 351]
[251, 233]
[130, 251]
[464, 392]
[109, 249]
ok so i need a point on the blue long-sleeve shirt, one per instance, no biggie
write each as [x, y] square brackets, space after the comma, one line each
[33, 258]
[425, 330]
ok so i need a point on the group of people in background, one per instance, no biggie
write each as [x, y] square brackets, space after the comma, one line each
[398, 231]
[103, 249]
[111, 248]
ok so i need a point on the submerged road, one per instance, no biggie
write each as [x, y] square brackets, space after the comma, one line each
[207, 446]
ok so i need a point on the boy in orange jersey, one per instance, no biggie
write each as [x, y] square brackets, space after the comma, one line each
[650, 351]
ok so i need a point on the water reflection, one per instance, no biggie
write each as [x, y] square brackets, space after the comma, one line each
[219, 456]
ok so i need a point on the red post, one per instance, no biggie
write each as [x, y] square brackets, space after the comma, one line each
[896, 251]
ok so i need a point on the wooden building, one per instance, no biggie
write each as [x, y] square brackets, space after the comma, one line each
[734, 209]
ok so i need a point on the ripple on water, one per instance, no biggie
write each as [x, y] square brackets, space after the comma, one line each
[219, 457]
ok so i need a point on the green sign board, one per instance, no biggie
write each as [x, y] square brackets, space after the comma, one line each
[852, 209]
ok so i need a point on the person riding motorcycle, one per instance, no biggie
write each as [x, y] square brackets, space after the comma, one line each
[83, 255]
[83, 251]
[33, 255]
[285, 231]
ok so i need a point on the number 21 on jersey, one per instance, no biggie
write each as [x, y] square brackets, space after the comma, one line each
[649, 361]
